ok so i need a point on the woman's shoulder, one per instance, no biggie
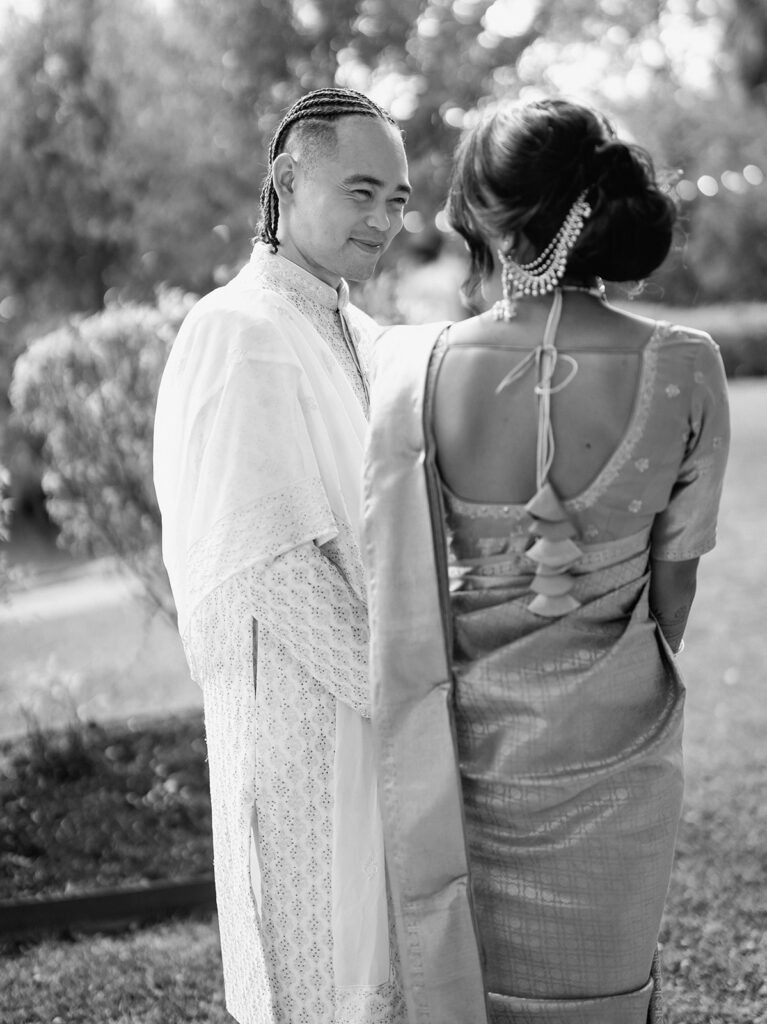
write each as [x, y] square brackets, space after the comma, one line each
[399, 341]
[677, 340]
[693, 347]
[585, 323]
[680, 334]
[400, 354]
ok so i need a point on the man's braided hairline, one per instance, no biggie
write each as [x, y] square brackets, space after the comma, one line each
[322, 106]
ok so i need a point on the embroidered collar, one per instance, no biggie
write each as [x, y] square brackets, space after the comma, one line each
[285, 274]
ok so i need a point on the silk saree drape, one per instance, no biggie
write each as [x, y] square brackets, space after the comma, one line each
[530, 769]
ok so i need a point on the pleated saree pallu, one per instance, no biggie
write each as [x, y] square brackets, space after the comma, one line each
[530, 767]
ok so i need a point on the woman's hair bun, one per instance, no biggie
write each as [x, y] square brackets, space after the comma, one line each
[617, 170]
[520, 169]
[631, 226]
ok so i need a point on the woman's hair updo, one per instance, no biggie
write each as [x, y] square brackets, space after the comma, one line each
[521, 168]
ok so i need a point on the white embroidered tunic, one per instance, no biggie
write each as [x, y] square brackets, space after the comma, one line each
[257, 480]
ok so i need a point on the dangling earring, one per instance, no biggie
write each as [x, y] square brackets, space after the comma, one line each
[544, 273]
[506, 308]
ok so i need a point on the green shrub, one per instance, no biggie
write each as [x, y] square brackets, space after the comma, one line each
[88, 390]
[95, 806]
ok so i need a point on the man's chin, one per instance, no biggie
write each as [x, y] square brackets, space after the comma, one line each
[363, 263]
[361, 273]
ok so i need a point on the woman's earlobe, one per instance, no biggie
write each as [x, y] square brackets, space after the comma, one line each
[507, 244]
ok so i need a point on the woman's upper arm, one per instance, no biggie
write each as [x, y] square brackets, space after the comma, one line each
[686, 528]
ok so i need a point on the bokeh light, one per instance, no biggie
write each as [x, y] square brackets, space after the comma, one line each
[510, 18]
[441, 222]
[733, 181]
[686, 190]
[707, 185]
[413, 222]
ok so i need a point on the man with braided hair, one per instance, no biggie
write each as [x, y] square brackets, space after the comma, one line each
[260, 424]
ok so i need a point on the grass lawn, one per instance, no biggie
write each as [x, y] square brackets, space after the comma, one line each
[169, 974]
[715, 927]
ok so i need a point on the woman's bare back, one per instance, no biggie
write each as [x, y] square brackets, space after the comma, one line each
[486, 441]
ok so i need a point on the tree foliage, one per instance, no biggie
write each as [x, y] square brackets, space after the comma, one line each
[133, 141]
[57, 209]
[747, 41]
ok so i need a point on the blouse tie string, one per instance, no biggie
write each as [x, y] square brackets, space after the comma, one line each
[545, 356]
[553, 550]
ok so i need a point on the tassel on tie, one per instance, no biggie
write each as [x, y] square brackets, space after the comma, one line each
[555, 553]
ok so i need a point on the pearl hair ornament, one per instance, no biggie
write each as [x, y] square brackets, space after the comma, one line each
[543, 274]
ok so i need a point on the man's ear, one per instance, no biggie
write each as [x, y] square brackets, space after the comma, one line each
[284, 176]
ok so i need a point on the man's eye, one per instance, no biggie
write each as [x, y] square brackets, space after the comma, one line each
[362, 193]
[399, 201]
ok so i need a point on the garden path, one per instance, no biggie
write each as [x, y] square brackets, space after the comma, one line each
[81, 640]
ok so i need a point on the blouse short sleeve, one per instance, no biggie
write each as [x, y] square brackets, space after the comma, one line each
[686, 528]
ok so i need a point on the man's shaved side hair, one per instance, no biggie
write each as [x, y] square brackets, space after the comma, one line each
[311, 141]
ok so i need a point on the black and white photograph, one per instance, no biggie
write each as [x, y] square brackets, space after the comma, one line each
[383, 476]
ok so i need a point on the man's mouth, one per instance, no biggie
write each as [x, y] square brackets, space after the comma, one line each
[372, 247]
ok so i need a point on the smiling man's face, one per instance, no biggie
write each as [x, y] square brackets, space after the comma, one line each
[341, 208]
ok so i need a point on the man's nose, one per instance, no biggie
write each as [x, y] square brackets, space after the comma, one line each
[378, 218]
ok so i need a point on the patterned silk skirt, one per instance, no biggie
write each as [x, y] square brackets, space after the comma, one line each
[569, 741]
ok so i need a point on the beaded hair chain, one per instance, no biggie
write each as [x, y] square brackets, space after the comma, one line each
[543, 274]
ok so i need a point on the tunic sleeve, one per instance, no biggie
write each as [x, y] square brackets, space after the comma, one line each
[302, 598]
[687, 526]
[244, 482]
